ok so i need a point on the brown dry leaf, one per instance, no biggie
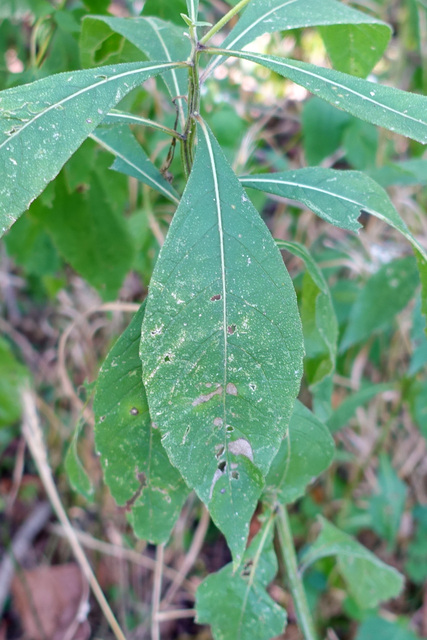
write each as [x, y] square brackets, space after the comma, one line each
[52, 603]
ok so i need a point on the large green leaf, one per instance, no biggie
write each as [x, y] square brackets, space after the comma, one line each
[268, 16]
[384, 295]
[237, 604]
[136, 467]
[43, 123]
[158, 40]
[319, 321]
[339, 197]
[393, 109]
[221, 344]
[369, 580]
[306, 451]
[131, 159]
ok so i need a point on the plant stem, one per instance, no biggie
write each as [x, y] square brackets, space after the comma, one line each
[295, 581]
[228, 16]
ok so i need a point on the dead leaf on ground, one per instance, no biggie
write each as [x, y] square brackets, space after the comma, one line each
[52, 603]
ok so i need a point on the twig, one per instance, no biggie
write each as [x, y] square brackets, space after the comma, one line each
[157, 589]
[33, 435]
[190, 558]
[20, 545]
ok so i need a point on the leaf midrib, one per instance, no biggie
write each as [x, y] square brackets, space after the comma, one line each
[257, 57]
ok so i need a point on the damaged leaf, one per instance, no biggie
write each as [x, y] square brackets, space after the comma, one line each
[221, 344]
[136, 467]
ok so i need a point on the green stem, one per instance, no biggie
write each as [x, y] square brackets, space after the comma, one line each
[295, 581]
[228, 16]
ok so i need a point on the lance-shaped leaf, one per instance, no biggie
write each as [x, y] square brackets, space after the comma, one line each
[393, 109]
[157, 39]
[306, 451]
[193, 9]
[368, 579]
[384, 295]
[319, 321]
[237, 605]
[339, 197]
[221, 344]
[42, 124]
[131, 159]
[136, 467]
[269, 16]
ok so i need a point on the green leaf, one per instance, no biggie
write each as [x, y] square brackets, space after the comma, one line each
[135, 465]
[157, 39]
[31, 247]
[323, 127]
[386, 506]
[131, 159]
[355, 49]
[320, 326]
[269, 16]
[369, 580]
[306, 451]
[74, 468]
[166, 9]
[393, 109]
[384, 295]
[193, 9]
[13, 376]
[360, 142]
[381, 629]
[339, 197]
[408, 172]
[237, 604]
[221, 344]
[42, 124]
[346, 410]
[89, 234]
